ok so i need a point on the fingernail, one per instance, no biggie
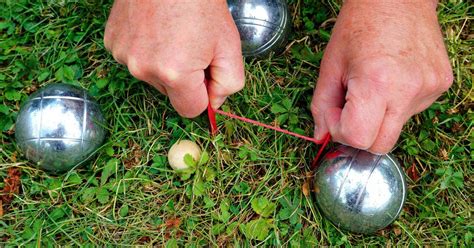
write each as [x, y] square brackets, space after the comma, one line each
[217, 102]
[318, 137]
[376, 153]
[319, 134]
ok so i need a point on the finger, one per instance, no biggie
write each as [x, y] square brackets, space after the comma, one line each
[358, 123]
[120, 57]
[141, 69]
[392, 126]
[388, 134]
[117, 46]
[160, 88]
[119, 49]
[329, 93]
[425, 103]
[226, 71]
[118, 12]
[188, 94]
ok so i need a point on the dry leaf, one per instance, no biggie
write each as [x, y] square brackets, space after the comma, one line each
[305, 188]
[412, 172]
[172, 223]
[134, 156]
[444, 154]
[11, 187]
[397, 231]
[452, 111]
[457, 128]
[144, 240]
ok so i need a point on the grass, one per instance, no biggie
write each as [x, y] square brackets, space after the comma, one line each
[252, 190]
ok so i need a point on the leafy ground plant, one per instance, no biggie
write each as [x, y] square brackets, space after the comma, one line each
[253, 189]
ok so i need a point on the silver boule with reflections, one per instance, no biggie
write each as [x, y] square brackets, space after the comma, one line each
[264, 25]
[59, 126]
[359, 191]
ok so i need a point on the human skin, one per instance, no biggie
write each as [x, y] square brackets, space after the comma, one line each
[169, 44]
[385, 62]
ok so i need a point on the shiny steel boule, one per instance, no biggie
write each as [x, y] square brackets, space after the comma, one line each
[359, 191]
[264, 25]
[59, 126]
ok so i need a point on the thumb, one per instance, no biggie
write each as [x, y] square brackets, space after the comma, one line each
[329, 93]
[358, 123]
[226, 71]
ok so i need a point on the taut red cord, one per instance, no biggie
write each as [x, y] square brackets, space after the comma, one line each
[268, 126]
[211, 113]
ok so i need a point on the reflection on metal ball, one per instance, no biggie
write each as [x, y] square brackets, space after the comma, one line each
[264, 25]
[59, 126]
[359, 191]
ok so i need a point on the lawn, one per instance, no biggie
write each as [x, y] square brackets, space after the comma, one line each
[254, 188]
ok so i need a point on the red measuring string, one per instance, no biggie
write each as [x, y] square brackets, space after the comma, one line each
[267, 126]
[212, 120]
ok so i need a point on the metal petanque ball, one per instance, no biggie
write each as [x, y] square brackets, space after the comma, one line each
[359, 191]
[264, 25]
[59, 126]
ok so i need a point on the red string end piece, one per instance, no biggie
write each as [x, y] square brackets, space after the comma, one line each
[212, 119]
[211, 114]
[325, 142]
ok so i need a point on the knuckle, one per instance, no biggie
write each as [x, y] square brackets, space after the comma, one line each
[168, 76]
[447, 81]
[137, 69]
[439, 82]
[432, 82]
[170, 72]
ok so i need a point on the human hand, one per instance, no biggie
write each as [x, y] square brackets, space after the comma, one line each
[169, 44]
[384, 63]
